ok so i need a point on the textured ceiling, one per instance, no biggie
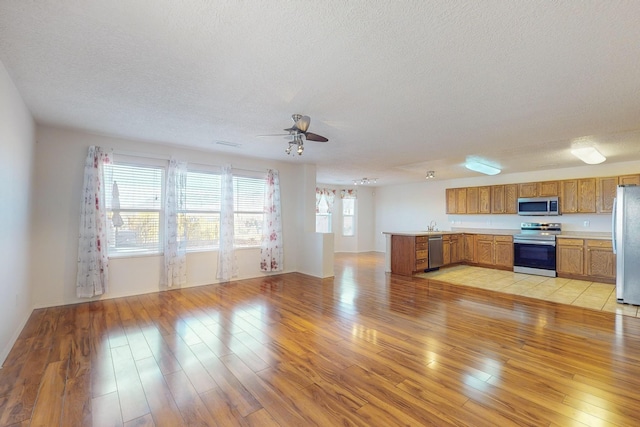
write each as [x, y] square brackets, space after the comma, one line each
[399, 88]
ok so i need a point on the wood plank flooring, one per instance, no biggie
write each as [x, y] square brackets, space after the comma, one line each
[362, 349]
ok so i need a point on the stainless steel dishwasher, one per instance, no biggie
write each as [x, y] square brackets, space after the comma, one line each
[435, 252]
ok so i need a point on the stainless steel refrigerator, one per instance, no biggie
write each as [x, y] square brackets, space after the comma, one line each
[626, 243]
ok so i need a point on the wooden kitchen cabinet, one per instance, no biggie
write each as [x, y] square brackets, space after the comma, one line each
[461, 200]
[586, 259]
[538, 189]
[587, 195]
[472, 200]
[600, 260]
[469, 248]
[605, 193]
[570, 256]
[494, 250]
[484, 200]
[451, 200]
[409, 254]
[450, 249]
[503, 251]
[485, 249]
[569, 196]
[446, 249]
[548, 189]
[455, 248]
[497, 199]
[510, 198]
[629, 179]
[528, 189]
[578, 195]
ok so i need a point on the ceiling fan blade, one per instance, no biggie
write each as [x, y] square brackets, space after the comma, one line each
[273, 134]
[315, 137]
[303, 123]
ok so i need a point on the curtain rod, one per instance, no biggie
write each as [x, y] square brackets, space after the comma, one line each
[165, 157]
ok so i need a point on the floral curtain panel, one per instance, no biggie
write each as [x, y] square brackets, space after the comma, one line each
[319, 192]
[330, 196]
[349, 194]
[93, 262]
[227, 266]
[271, 254]
[175, 251]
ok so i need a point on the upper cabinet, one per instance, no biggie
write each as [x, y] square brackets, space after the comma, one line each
[629, 180]
[504, 199]
[584, 195]
[472, 200]
[605, 193]
[548, 189]
[528, 189]
[484, 200]
[456, 200]
[538, 189]
[578, 195]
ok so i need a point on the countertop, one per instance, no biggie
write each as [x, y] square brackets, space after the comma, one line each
[503, 232]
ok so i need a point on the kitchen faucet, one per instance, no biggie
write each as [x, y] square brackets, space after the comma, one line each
[432, 226]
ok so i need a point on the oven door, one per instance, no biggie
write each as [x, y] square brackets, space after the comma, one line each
[534, 254]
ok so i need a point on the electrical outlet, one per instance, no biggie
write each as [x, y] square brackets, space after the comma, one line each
[585, 224]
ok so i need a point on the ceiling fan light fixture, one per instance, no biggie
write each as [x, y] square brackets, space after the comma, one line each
[430, 175]
[481, 167]
[589, 155]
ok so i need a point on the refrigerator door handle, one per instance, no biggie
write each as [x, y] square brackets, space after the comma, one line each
[614, 242]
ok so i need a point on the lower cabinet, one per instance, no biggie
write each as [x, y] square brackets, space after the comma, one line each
[601, 262]
[586, 259]
[570, 256]
[494, 251]
[504, 251]
[409, 254]
[450, 249]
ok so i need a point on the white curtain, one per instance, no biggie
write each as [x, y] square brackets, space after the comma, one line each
[271, 255]
[175, 251]
[93, 261]
[227, 267]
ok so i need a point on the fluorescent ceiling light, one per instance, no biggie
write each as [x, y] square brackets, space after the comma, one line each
[589, 155]
[481, 167]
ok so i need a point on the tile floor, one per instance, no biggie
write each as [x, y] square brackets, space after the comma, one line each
[593, 295]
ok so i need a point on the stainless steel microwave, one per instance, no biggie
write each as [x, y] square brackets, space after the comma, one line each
[539, 206]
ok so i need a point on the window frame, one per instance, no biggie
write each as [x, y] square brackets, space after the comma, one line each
[143, 163]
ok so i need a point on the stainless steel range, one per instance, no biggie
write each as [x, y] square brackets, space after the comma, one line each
[534, 249]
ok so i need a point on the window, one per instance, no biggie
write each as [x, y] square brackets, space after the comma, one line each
[323, 217]
[139, 196]
[202, 217]
[248, 207]
[348, 217]
[141, 189]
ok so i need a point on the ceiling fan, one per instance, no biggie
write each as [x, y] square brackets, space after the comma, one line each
[299, 132]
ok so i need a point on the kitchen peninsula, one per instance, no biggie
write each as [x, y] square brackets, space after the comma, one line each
[407, 252]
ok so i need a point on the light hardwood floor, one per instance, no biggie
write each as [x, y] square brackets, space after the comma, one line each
[363, 349]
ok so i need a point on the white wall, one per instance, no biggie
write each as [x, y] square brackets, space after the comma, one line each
[16, 168]
[59, 158]
[410, 207]
[363, 241]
